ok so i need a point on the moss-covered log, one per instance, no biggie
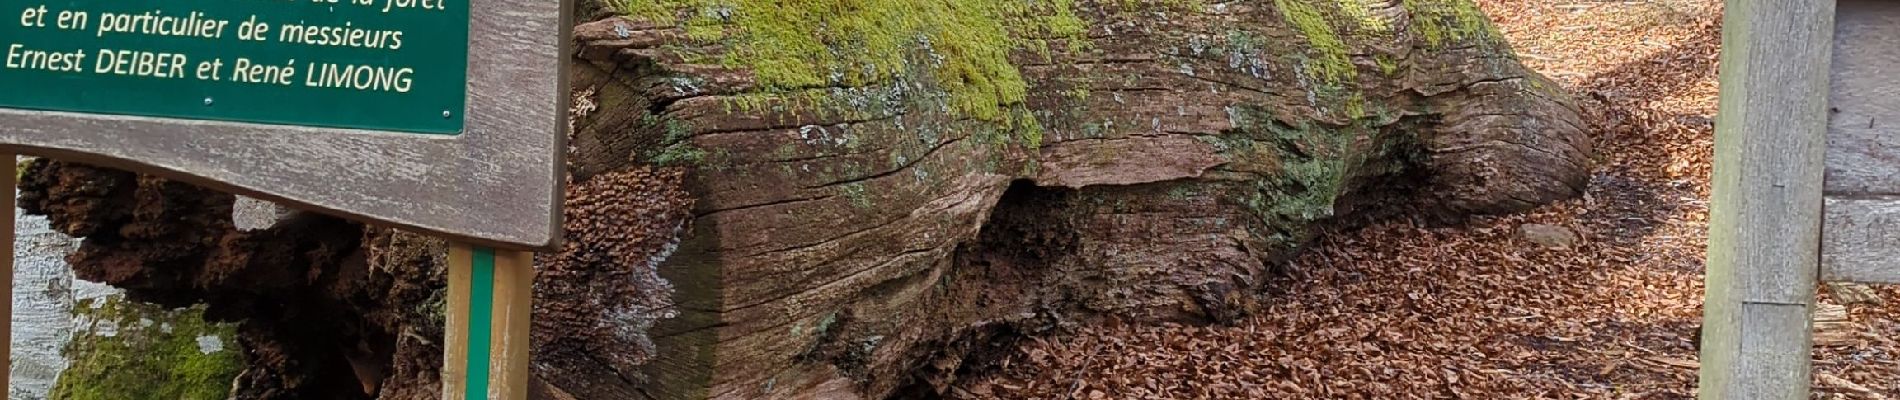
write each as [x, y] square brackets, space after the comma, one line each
[125, 350]
[862, 198]
[878, 207]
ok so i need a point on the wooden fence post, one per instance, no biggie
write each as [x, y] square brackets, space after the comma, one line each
[1765, 218]
[490, 299]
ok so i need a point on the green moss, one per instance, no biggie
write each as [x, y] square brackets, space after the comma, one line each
[19, 167]
[435, 308]
[1031, 133]
[1153, 6]
[820, 330]
[682, 154]
[676, 147]
[824, 324]
[1312, 189]
[1357, 10]
[128, 350]
[1387, 65]
[1078, 95]
[859, 196]
[962, 46]
[1327, 59]
[1354, 105]
[1030, 168]
[1094, 130]
[785, 151]
[1450, 21]
[1315, 163]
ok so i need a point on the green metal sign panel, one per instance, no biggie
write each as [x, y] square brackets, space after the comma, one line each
[387, 65]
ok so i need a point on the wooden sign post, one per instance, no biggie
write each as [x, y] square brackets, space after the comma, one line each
[1807, 182]
[490, 292]
[440, 116]
[1764, 219]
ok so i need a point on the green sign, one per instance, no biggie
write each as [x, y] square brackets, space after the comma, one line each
[389, 65]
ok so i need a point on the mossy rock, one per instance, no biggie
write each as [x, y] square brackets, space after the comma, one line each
[127, 350]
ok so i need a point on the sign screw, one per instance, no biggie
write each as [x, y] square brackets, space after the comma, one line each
[208, 101]
[446, 114]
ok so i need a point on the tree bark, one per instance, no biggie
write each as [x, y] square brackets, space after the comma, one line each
[738, 231]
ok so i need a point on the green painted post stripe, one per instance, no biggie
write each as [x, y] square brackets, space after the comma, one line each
[481, 304]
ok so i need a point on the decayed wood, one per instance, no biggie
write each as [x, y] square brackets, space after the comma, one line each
[1833, 326]
[830, 254]
[813, 253]
[1765, 218]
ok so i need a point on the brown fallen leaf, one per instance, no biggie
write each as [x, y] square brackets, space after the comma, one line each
[1831, 381]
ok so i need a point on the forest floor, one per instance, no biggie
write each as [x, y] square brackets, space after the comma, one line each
[1476, 310]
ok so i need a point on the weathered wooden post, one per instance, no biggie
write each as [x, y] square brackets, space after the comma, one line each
[431, 115]
[490, 296]
[1765, 218]
[6, 273]
[1807, 182]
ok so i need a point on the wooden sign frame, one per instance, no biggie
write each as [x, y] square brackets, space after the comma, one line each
[1861, 219]
[498, 183]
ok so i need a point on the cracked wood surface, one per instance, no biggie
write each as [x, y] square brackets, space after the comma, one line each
[832, 255]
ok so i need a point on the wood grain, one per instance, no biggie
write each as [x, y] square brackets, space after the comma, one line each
[455, 323]
[1863, 153]
[1862, 239]
[1765, 217]
[1775, 350]
[513, 308]
[509, 323]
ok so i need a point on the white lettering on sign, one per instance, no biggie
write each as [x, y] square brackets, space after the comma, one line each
[194, 24]
[156, 23]
[346, 35]
[247, 72]
[417, 4]
[19, 56]
[33, 17]
[69, 19]
[359, 77]
[140, 63]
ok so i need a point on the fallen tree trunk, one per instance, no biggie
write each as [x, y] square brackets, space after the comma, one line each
[860, 199]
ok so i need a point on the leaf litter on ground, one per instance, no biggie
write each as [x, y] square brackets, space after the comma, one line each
[1400, 310]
